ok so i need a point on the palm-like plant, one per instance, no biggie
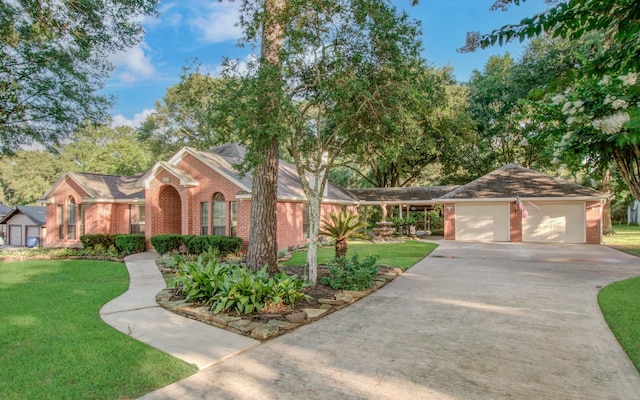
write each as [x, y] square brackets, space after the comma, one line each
[340, 227]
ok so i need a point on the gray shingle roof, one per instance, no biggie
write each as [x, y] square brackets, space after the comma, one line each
[115, 187]
[225, 158]
[415, 193]
[37, 214]
[4, 210]
[513, 180]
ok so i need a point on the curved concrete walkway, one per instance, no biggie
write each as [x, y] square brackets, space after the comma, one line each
[137, 314]
[472, 321]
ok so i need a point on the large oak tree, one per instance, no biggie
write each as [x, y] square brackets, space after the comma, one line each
[54, 59]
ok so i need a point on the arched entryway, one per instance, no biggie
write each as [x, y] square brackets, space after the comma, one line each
[170, 211]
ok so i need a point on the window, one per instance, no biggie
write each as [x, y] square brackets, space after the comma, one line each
[60, 221]
[71, 219]
[136, 219]
[233, 218]
[305, 221]
[81, 221]
[204, 207]
[219, 215]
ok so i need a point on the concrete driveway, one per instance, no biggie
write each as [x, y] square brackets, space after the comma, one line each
[472, 321]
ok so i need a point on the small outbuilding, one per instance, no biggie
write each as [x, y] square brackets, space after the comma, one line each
[26, 226]
[516, 204]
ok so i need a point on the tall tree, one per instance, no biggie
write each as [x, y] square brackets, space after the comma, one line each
[609, 74]
[184, 117]
[26, 175]
[53, 60]
[106, 150]
[337, 63]
[350, 68]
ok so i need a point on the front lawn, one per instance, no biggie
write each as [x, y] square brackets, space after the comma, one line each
[626, 239]
[395, 254]
[620, 305]
[53, 343]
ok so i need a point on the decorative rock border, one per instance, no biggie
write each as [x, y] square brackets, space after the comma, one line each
[264, 330]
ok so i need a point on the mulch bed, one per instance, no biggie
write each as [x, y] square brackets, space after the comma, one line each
[317, 292]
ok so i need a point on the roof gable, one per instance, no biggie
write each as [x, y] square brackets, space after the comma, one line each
[513, 181]
[99, 186]
[184, 177]
[37, 214]
[223, 159]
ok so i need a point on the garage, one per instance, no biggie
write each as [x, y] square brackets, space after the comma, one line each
[554, 222]
[15, 235]
[517, 204]
[24, 222]
[482, 222]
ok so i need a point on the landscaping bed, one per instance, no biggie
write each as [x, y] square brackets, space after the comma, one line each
[270, 322]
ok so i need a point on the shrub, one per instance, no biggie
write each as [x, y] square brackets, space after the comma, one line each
[247, 291]
[340, 227]
[166, 243]
[351, 274]
[129, 244]
[197, 244]
[90, 241]
[228, 287]
[198, 280]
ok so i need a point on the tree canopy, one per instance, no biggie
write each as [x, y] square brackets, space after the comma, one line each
[54, 58]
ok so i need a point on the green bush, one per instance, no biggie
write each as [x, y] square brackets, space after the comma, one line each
[197, 244]
[228, 287]
[198, 279]
[166, 243]
[247, 291]
[129, 244]
[90, 241]
[351, 274]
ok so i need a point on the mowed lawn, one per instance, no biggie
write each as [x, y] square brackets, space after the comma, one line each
[626, 239]
[53, 344]
[620, 301]
[395, 254]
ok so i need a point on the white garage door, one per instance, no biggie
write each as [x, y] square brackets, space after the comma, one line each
[554, 222]
[483, 222]
[15, 235]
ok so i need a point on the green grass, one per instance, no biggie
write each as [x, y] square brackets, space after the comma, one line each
[402, 255]
[53, 344]
[626, 239]
[620, 305]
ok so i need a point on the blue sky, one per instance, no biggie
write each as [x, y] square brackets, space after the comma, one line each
[205, 29]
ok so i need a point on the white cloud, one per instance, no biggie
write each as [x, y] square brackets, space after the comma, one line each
[218, 22]
[136, 122]
[133, 63]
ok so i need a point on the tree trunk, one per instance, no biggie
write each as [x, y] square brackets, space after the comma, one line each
[341, 248]
[607, 228]
[627, 159]
[263, 247]
[314, 227]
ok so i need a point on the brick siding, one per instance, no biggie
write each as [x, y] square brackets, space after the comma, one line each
[515, 222]
[593, 214]
[450, 221]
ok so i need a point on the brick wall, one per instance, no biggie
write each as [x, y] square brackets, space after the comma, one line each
[106, 218]
[450, 221]
[68, 189]
[515, 222]
[165, 211]
[593, 222]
